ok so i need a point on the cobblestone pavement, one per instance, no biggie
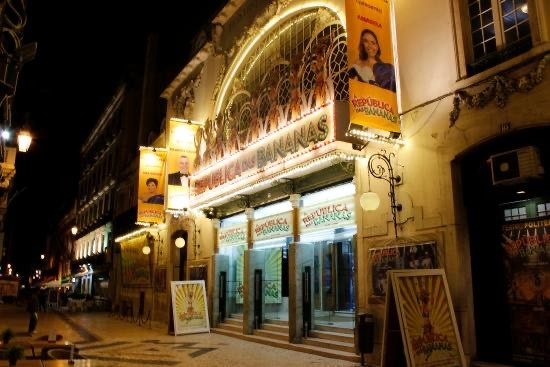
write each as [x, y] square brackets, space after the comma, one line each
[122, 343]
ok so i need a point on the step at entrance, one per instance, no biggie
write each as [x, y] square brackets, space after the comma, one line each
[331, 342]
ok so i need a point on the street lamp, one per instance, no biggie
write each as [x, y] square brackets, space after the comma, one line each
[24, 140]
[42, 256]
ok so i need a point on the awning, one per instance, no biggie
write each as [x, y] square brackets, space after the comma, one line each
[52, 284]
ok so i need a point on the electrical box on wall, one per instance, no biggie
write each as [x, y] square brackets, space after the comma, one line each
[516, 166]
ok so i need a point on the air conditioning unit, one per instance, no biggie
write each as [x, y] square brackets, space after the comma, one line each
[516, 166]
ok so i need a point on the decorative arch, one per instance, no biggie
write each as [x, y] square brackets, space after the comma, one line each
[293, 65]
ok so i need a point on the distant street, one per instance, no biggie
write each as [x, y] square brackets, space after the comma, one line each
[102, 336]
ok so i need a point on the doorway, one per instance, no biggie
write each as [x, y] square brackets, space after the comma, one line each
[508, 222]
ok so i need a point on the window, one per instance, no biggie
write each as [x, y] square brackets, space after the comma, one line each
[543, 209]
[515, 214]
[498, 30]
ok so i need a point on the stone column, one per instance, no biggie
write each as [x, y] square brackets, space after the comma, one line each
[250, 221]
[216, 226]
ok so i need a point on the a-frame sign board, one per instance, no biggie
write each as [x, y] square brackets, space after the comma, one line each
[420, 326]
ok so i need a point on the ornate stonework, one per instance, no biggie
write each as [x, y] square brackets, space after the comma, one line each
[499, 89]
[278, 84]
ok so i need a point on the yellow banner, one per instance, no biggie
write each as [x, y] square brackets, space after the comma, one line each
[372, 81]
[181, 158]
[152, 165]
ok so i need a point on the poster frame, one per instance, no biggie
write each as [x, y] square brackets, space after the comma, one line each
[178, 328]
[403, 307]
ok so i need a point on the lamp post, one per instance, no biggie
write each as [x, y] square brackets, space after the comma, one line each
[380, 166]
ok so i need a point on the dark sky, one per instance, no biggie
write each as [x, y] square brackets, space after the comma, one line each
[84, 49]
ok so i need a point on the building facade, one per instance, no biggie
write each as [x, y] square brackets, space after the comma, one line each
[267, 95]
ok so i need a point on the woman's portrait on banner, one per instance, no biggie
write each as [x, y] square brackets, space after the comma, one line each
[369, 67]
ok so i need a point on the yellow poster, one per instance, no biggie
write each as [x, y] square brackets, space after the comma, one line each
[181, 158]
[372, 77]
[427, 320]
[151, 185]
[189, 307]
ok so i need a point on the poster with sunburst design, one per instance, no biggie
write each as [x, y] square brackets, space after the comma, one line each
[190, 308]
[273, 275]
[239, 274]
[426, 317]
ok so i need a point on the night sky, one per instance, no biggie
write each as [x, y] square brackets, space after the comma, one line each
[84, 50]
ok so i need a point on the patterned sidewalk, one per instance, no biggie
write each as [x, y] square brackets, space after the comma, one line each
[122, 343]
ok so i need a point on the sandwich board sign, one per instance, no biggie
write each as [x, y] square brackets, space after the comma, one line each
[189, 307]
[420, 327]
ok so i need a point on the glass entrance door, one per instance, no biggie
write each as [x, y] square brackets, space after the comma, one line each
[235, 279]
[275, 302]
[333, 291]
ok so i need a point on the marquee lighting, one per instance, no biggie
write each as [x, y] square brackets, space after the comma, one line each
[369, 136]
[222, 195]
[146, 250]
[187, 121]
[130, 235]
[154, 149]
[144, 224]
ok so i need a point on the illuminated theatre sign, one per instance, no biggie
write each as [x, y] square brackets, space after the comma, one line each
[282, 146]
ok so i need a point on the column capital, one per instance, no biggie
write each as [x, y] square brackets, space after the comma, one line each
[249, 213]
[295, 200]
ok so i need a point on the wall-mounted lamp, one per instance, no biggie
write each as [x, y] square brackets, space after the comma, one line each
[146, 249]
[180, 242]
[380, 166]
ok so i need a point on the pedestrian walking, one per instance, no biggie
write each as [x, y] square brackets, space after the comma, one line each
[32, 309]
[42, 300]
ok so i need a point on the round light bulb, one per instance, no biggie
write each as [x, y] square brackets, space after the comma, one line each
[146, 250]
[369, 201]
[180, 242]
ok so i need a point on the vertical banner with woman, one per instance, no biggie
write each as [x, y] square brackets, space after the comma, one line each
[372, 79]
[181, 157]
[152, 163]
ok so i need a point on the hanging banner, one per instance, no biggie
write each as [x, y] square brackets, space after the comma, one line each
[526, 250]
[189, 307]
[372, 80]
[233, 235]
[151, 185]
[274, 226]
[332, 214]
[180, 162]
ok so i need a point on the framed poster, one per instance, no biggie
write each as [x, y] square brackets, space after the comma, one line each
[421, 255]
[189, 307]
[427, 322]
